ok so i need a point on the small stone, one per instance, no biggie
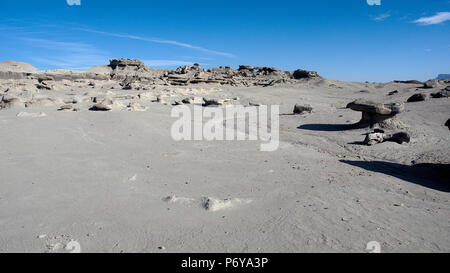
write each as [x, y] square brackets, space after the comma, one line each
[300, 109]
[66, 107]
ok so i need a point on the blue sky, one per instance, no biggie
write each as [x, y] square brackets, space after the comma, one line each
[345, 40]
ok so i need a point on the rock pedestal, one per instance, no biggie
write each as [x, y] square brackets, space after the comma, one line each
[378, 114]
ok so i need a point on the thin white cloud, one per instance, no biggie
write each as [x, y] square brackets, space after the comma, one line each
[67, 55]
[160, 41]
[382, 17]
[62, 46]
[73, 2]
[439, 18]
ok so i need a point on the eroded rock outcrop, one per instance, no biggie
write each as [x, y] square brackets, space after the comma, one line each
[127, 64]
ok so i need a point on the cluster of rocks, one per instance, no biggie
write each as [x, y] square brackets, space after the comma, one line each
[444, 93]
[226, 75]
[135, 75]
[380, 136]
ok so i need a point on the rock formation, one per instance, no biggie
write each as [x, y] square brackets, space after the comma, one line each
[378, 114]
[135, 75]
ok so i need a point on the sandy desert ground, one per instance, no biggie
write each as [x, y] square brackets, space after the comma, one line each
[116, 181]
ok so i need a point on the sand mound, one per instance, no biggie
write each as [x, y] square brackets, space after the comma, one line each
[12, 66]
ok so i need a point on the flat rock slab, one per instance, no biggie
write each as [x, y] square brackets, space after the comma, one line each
[391, 109]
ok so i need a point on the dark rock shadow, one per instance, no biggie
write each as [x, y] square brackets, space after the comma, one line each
[433, 176]
[328, 127]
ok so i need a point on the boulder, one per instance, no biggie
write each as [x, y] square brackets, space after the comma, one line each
[417, 97]
[377, 114]
[304, 74]
[380, 136]
[211, 102]
[100, 107]
[448, 124]
[441, 94]
[300, 109]
[188, 101]
[122, 64]
[431, 84]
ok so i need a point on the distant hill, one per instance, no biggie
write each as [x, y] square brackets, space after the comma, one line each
[13, 66]
[443, 77]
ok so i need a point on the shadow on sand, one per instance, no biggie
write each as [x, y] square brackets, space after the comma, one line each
[328, 127]
[433, 176]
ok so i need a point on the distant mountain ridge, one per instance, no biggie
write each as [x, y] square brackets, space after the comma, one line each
[443, 77]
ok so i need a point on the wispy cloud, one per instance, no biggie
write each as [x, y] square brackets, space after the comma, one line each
[73, 2]
[67, 55]
[58, 45]
[439, 18]
[159, 41]
[382, 17]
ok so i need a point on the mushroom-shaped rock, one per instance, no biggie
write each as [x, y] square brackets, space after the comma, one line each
[378, 114]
